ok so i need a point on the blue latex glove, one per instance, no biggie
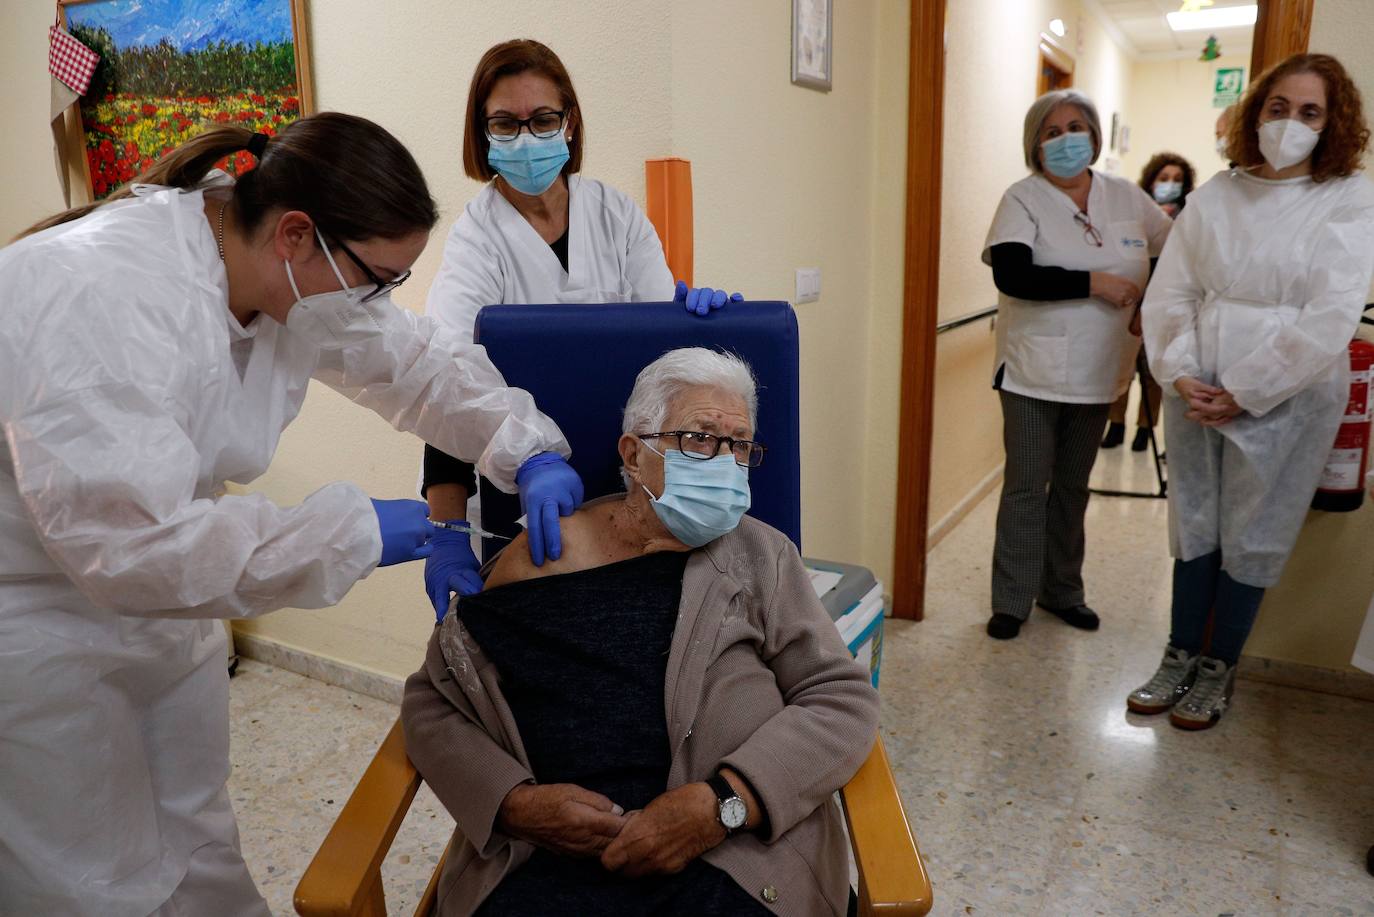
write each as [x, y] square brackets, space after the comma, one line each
[703, 300]
[451, 568]
[406, 530]
[549, 488]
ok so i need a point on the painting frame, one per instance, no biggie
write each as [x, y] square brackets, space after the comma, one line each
[804, 30]
[71, 151]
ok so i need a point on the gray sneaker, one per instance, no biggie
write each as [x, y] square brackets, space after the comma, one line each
[1170, 684]
[1210, 697]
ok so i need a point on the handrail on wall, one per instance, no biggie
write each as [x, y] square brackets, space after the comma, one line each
[963, 320]
[990, 311]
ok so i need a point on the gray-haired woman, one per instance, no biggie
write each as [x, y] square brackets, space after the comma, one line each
[1070, 252]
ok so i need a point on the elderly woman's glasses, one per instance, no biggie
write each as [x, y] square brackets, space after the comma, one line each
[706, 446]
[544, 125]
[1090, 233]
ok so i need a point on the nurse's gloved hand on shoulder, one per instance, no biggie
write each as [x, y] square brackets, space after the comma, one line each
[406, 530]
[703, 300]
[549, 488]
[451, 568]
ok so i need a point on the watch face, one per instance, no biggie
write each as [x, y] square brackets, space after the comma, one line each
[733, 813]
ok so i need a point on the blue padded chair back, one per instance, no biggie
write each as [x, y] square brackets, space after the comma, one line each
[579, 361]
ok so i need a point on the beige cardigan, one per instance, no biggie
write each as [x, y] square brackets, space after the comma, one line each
[758, 679]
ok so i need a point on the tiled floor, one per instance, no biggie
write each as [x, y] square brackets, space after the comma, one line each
[1030, 789]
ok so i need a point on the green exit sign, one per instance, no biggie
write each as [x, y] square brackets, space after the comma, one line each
[1226, 90]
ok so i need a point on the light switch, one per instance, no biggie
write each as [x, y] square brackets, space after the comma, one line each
[808, 284]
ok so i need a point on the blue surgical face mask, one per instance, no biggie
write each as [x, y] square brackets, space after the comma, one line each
[1166, 192]
[702, 499]
[1068, 154]
[528, 162]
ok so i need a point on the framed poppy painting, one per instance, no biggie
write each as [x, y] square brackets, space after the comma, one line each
[171, 68]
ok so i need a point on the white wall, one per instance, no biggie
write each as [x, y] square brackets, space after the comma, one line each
[1171, 109]
[784, 177]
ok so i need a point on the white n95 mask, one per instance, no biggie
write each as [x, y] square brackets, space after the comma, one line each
[1286, 142]
[335, 318]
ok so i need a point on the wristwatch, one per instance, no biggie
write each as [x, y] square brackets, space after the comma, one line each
[733, 811]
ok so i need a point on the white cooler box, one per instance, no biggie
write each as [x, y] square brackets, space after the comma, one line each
[854, 599]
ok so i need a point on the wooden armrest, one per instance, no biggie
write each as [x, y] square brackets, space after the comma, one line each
[344, 878]
[892, 878]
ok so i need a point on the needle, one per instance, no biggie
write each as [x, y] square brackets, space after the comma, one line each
[468, 528]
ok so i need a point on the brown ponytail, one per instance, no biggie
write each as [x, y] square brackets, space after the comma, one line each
[350, 175]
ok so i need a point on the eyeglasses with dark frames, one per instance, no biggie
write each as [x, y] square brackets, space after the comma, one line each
[1090, 233]
[381, 287]
[544, 124]
[706, 446]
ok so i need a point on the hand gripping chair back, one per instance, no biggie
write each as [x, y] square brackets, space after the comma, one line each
[580, 362]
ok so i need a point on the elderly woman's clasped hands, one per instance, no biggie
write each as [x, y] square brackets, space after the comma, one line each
[1207, 404]
[662, 838]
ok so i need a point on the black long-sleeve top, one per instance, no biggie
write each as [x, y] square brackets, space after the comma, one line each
[1015, 274]
[441, 468]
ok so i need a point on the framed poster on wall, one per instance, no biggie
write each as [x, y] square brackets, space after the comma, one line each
[811, 43]
[171, 68]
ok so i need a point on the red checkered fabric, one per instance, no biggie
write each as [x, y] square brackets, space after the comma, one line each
[69, 60]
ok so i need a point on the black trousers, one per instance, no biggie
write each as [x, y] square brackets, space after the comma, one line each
[1038, 554]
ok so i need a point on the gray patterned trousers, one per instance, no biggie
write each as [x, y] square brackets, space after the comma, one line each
[1038, 554]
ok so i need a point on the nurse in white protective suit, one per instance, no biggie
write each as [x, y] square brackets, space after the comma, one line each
[539, 232]
[151, 349]
[1247, 320]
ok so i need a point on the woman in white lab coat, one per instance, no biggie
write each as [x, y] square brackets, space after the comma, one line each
[153, 348]
[1070, 251]
[1247, 321]
[539, 232]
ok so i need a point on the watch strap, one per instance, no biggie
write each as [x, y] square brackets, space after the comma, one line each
[725, 793]
[721, 786]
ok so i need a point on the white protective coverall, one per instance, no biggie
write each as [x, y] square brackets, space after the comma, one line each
[1259, 291]
[128, 396]
[494, 256]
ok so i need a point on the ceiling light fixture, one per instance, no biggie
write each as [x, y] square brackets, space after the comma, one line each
[1226, 17]
[1057, 27]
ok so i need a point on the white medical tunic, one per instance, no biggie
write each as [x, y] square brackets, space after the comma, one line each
[494, 256]
[129, 395]
[1260, 290]
[1079, 351]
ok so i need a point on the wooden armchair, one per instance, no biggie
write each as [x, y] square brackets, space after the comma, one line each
[345, 878]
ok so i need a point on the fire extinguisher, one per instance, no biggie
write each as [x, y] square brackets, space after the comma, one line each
[1342, 484]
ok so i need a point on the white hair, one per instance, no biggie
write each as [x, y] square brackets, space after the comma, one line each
[667, 377]
[659, 383]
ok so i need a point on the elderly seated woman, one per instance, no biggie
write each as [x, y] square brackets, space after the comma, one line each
[656, 722]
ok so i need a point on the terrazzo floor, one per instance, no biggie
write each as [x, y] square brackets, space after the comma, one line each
[1030, 789]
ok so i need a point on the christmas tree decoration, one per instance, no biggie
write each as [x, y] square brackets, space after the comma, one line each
[1211, 50]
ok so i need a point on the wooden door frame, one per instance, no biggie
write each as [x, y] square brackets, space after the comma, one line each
[1054, 54]
[1282, 28]
[920, 301]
